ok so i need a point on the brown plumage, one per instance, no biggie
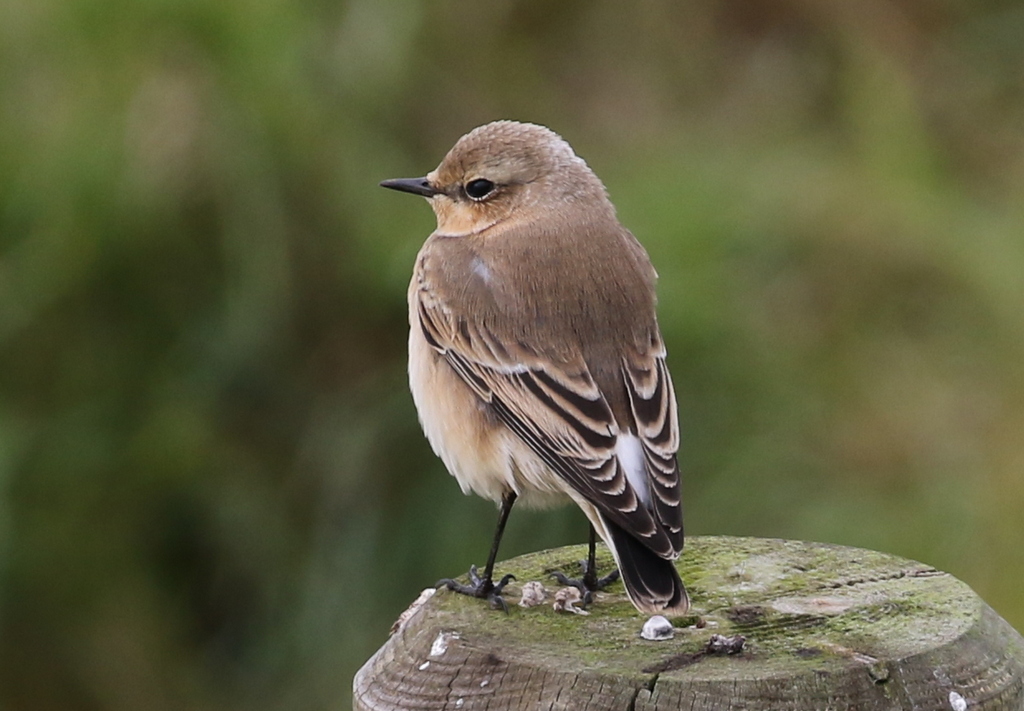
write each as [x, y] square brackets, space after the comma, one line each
[535, 359]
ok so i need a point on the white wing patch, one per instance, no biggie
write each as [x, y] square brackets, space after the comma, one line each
[630, 452]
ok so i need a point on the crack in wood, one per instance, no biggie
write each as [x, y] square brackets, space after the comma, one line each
[897, 575]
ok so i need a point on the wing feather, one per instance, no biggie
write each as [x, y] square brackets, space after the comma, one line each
[653, 404]
[559, 412]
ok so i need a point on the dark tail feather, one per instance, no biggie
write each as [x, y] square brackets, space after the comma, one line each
[651, 581]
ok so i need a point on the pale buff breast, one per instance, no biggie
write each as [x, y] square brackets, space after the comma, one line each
[483, 455]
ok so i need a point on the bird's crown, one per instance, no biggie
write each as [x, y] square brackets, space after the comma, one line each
[507, 152]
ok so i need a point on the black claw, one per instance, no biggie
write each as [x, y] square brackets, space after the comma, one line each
[565, 580]
[588, 583]
[594, 583]
[497, 602]
[495, 597]
[505, 580]
[607, 580]
[481, 587]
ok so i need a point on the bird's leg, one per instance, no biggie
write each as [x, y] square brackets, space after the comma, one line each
[588, 583]
[483, 585]
[590, 579]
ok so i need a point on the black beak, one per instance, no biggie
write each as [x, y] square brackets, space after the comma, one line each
[416, 186]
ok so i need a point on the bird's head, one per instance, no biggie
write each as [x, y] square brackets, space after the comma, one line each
[505, 172]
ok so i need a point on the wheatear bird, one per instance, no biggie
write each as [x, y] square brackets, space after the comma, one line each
[535, 359]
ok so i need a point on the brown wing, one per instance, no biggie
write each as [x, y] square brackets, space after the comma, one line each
[652, 401]
[560, 413]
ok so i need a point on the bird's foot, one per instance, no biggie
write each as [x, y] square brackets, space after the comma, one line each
[588, 583]
[480, 586]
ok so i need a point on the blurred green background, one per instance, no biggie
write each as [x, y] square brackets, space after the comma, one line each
[214, 493]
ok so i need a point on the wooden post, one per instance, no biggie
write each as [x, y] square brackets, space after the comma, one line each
[801, 625]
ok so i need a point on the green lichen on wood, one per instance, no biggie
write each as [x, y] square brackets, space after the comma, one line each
[817, 607]
[823, 626]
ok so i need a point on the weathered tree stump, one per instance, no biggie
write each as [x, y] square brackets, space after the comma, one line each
[823, 627]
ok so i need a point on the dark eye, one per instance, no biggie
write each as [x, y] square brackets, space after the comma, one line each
[479, 188]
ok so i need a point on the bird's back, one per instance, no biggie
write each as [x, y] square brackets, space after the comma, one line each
[520, 289]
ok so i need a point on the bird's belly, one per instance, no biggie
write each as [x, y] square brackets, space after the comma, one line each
[483, 455]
